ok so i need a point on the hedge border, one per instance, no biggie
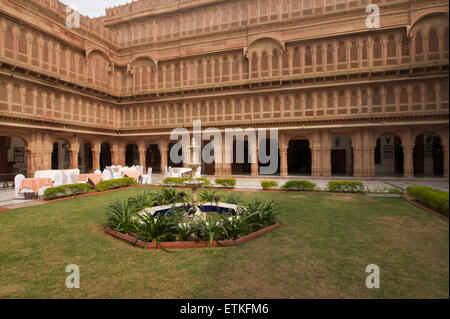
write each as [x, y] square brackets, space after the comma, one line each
[425, 208]
[188, 244]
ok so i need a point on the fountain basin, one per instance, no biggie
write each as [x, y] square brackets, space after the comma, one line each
[202, 210]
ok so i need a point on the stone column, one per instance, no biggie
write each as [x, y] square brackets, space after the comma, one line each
[31, 163]
[408, 167]
[326, 161]
[315, 159]
[357, 161]
[74, 159]
[95, 159]
[227, 161]
[253, 149]
[284, 161]
[164, 162]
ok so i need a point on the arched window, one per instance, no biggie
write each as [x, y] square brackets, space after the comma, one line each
[319, 55]
[254, 62]
[235, 65]
[391, 47]
[341, 98]
[264, 61]
[45, 52]
[433, 40]
[390, 96]
[417, 96]
[296, 58]
[431, 93]
[404, 96]
[330, 54]
[200, 71]
[275, 59]
[354, 51]
[35, 49]
[376, 98]
[330, 100]
[377, 49]
[342, 54]
[9, 39]
[405, 46]
[419, 43]
[446, 39]
[22, 42]
[354, 99]
[308, 56]
[364, 50]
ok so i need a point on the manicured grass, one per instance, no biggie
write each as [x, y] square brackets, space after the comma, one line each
[321, 251]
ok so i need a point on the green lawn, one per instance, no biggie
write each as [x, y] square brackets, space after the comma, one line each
[321, 251]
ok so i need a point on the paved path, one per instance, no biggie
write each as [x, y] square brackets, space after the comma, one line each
[254, 183]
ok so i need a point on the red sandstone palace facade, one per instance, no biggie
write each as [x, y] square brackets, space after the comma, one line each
[347, 100]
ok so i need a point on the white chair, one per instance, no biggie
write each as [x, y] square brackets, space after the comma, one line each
[198, 172]
[17, 182]
[106, 175]
[97, 171]
[116, 172]
[58, 181]
[147, 178]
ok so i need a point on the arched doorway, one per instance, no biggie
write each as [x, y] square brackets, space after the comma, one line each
[269, 145]
[153, 158]
[171, 161]
[85, 158]
[341, 156]
[105, 155]
[132, 155]
[299, 157]
[208, 168]
[389, 156]
[61, 155]
[239, 166]
[428, 156]
[13, 155]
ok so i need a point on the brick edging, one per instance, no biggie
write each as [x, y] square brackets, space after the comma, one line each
[428, 210]
[188, 244]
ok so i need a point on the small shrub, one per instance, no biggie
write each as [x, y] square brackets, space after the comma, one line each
[268, 185]
[226, 182]
[66, 190]
[176, 181]
[207, 181]
[395, 191]
[345, 187]
[435, 199]
[115, 183]
[299, 186]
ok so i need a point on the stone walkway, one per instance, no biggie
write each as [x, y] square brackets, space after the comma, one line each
[7, 200]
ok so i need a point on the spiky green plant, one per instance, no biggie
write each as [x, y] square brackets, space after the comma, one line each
[121, 216]
[235, 226]
[207, 196]
[260, 213]
[155, 229]
[166, 196]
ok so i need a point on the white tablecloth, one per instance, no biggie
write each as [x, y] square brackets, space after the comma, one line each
[51, 173]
